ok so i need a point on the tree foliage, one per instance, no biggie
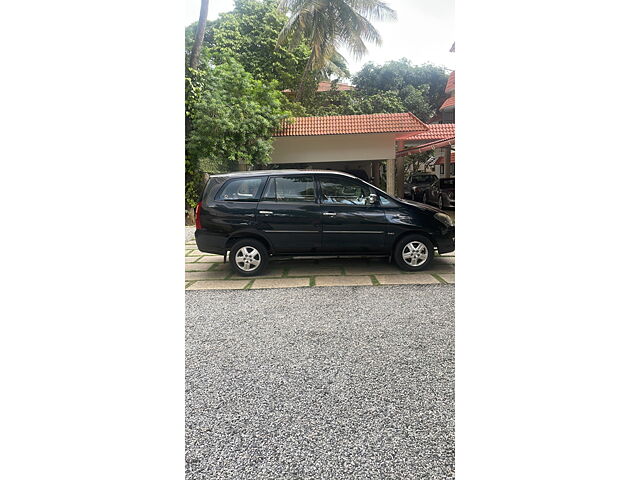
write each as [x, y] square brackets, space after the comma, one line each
[354, 102]
[249, 34]
[420, 87]
[330, 24]
[233, 117]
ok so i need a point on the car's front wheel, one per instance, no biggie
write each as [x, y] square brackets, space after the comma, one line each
[248, 257]
[413, 253]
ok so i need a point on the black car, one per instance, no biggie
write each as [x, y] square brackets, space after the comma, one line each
[417, 184]
[255, 215]
[441, 192]
[361, 174]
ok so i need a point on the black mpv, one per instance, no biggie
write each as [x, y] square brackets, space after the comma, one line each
[254, 215]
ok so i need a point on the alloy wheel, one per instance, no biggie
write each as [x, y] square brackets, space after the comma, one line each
[415, 253]
[248, 258]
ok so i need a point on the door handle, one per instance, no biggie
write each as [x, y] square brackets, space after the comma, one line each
[329, 214]
[266, 212]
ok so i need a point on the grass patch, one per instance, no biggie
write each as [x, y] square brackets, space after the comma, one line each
[374, 280]
[312, 281]
[249, 285]
[439, 278]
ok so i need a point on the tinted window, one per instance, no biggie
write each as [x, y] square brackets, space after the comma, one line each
[290, 189]
[422, 178]
[343, 191]
[447, 182]
[242, 189]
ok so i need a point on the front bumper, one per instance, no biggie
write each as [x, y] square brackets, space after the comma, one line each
[446, 243]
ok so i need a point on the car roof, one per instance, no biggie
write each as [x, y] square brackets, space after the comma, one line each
[282, 172]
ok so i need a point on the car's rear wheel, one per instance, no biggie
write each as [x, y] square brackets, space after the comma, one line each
[248, 257]
[413, 253]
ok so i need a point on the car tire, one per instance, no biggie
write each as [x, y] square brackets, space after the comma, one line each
[407, 252]
[244, 254]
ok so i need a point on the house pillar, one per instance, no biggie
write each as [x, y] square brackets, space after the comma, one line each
[399, 171]
[375, 172]
[400, 177]
[447, 162]
[391, 176]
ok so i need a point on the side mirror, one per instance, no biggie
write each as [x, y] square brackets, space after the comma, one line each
[372, 199]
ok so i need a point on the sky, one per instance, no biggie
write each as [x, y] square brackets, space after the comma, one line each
[423, 32]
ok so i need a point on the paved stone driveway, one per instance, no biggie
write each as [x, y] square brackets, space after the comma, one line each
[205, 271]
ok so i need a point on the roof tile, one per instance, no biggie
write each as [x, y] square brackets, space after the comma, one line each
[435, 131]
[351, 124]
[449, 103]
[451, 83]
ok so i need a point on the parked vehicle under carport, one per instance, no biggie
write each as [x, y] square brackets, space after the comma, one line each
[441, 192]
[417, 184]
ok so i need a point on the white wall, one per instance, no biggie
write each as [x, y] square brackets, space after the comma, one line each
[333, 148]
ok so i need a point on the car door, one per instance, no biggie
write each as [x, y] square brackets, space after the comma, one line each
[289, 216]
[350, 225]
[233, 207]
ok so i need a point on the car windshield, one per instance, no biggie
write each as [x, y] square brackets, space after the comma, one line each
[422, 178]
[447, 183]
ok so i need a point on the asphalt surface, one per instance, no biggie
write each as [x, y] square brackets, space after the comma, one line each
[320, 383]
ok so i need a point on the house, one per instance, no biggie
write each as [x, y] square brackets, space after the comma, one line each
[326, 86]
[348, 142]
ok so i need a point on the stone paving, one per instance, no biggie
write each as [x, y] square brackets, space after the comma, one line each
[205, 271]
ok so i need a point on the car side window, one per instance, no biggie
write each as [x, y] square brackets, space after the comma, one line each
[242, 189]
[290, 188]
[343, 191]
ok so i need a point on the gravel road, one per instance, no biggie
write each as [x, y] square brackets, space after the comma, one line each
[320, 383]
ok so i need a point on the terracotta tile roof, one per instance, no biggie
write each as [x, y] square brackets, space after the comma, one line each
[435, 131]
[447, 142]
[351, 124]
[449, 103]
[440, 160]
[451, 83]
[326, 86]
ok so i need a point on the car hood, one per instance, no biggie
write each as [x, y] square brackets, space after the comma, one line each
[420, 206]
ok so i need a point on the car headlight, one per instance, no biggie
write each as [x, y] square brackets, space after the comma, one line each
[444, 219]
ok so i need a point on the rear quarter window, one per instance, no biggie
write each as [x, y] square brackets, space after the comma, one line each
[240, 190]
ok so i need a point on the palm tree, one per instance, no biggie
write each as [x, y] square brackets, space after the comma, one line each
[330, 24]
[194, 58]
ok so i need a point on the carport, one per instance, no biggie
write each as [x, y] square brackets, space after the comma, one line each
[349, 142]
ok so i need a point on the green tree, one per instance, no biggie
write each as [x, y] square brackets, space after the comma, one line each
[328, 24]
[249, 34]
[233, 117]
[420, 87]
[352, 102]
